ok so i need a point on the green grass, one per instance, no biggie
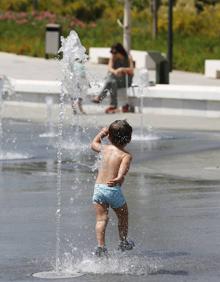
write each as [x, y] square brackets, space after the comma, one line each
[22, 39]
[190, 52]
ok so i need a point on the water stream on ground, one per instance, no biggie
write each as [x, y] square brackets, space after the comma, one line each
[172, 197]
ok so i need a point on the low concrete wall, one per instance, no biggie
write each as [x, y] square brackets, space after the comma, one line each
[34, 90]
[183, 100]
[37, 112]
[212, 68]
[167, 99]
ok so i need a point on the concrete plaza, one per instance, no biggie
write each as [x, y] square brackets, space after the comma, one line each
[172, 191]
[23, 67]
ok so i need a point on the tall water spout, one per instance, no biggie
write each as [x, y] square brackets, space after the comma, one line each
[6, 90]
[72, 64]
[50, 125]
[1, 94]
[143, 83]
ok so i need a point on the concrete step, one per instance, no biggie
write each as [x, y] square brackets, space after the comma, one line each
[167, 99]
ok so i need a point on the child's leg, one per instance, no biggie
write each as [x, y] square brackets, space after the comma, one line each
[80, 105]
[74, 104]
[101, 223]
[122, 214]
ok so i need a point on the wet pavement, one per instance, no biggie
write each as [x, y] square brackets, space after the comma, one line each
[172, 192]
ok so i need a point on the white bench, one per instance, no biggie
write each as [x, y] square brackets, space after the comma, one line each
[38, 90]
[212, 68]
[98, 55]
[33, 90]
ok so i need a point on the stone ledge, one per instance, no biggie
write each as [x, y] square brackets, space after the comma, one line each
[175, 99]
[212, 67]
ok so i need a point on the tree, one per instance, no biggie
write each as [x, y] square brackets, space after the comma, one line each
[200, 4]
[127, 25]
[35, 4]
[154, 8]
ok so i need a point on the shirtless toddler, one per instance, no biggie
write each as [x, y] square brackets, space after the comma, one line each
[115, 163]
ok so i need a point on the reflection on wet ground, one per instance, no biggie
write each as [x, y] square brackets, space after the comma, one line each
[172, 194]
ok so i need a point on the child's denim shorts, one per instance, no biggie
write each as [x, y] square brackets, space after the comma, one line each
[104, 194]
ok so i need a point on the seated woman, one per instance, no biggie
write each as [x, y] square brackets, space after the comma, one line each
[120, 74]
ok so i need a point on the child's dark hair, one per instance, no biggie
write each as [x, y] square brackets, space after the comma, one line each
[120, 132]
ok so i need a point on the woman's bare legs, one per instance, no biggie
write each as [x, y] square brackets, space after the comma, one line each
[111, 87]
[101, 222]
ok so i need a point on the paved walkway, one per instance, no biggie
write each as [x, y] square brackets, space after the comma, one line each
[23, 67]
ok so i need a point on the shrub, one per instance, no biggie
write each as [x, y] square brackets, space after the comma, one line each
[15, 5]
[54, 6]
[187, 21]
[86, 10]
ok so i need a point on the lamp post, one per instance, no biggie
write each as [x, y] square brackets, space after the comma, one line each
[170, 35]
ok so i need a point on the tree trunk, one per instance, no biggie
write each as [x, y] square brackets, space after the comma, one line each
[170, 35]
[154, 4]
[35, 4]
[127, 25]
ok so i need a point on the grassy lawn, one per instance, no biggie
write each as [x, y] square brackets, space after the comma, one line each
[189, 51]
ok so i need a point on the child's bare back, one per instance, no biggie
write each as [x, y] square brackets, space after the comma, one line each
[114, 165]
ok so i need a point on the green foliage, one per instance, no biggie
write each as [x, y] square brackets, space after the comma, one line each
[28, 40]
[141, 4]
[187, 21]
[196, 33]
[190, 52]
[15, 5]
[54, 6]
[89, 10]
[118, 13]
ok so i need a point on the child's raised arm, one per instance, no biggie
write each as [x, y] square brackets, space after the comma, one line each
[96, 143]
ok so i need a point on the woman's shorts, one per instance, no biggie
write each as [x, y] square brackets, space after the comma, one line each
[112, 196]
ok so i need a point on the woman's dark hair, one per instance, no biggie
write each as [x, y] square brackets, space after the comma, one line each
[120, 132]
[118, 48]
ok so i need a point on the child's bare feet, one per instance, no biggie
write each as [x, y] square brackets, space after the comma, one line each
[126, 245]
[101, 252]
[96, 100]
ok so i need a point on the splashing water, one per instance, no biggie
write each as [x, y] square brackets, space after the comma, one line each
[1, 93]
[69, 265]
[72, 63]
[116, 263]
[143, 83]
[149, 136]
[7, 87]
[73, 85]
[6, 90]
[13, 156]
[50, 126]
